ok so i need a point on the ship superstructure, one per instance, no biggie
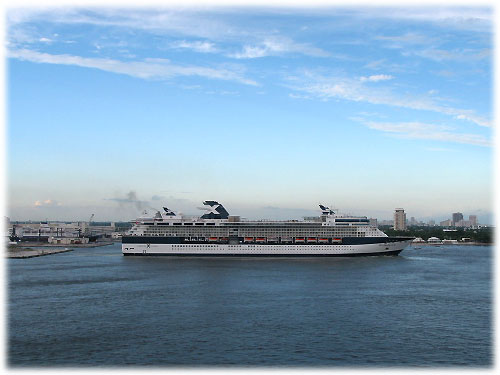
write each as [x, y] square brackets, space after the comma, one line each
[216, 233]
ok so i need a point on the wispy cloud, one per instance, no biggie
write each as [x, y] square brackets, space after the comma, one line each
[47, 203]
[173, 22]
[410, 38]
[159, 21]
[418, 130]
[197, 46]
[146, 69]
[376, 78]
[463, 55]
[432, 48]
[471, 18]
[273, 46]
[354, 90]
[389, 65]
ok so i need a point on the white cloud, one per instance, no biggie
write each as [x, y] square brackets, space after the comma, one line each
[463, 55]
[413, 44]
[172, 22]
[251, 52]
[198, 46]
[273, 46]
[297, 96]
[180, 21]
[353, 89]
[47, 203]
[376, 78]
[400, 41]
[472, 18]
[389, 65]
[418, 130]
[462, 17]
[146, 69]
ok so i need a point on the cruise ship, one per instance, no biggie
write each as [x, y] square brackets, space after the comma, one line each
[216, 233]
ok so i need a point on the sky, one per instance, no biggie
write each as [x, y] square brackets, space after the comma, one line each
[268, 110]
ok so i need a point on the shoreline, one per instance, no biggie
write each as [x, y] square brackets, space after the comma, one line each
[31, 250]
[45, 244]
[32, 253]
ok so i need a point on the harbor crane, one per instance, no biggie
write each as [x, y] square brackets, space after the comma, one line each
[87, 229]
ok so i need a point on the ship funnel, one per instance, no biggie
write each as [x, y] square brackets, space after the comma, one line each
[216, 210]
[168, 212]
[325, 210]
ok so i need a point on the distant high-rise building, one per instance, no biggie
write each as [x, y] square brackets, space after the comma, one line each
[446, 223]
[462, 223]
[399, 219]
[373, 222]
[457, 216]
[431, 223]
[473, 220]
[413, 222]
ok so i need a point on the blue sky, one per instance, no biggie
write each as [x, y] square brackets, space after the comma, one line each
[267, 110]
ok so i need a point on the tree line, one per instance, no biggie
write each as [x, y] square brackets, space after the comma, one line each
[481, 235]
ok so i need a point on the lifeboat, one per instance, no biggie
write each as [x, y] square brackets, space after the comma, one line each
[311, 239]
[248, 239]
[323, 240]
[286, 239]
[272, 239]
[212, 239]
[260, 239]
[336, 239]
[299, 239]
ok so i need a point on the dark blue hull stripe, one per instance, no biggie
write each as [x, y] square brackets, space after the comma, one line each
[395, 252]
[181, 240]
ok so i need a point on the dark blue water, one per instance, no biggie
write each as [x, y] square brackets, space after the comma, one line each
[430, 307]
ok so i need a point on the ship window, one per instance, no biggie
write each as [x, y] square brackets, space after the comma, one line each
[351, 220]
[177, 223]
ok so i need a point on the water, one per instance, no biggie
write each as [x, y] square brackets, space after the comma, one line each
[430, 307]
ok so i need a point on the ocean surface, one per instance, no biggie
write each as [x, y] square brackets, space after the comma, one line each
[427, 307]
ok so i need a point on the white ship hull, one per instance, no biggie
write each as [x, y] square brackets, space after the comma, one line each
[322, 250]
